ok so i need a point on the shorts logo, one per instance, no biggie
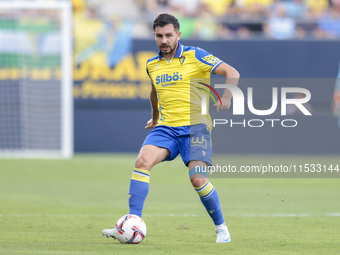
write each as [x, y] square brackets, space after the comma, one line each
[197, 142]
[203, 152]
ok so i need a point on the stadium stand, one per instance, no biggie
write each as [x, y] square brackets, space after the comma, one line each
[227, 19]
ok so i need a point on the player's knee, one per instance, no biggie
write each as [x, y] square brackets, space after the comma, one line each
[198, 180]
[143, 163]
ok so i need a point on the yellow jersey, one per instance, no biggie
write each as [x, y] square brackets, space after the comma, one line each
[176, 82]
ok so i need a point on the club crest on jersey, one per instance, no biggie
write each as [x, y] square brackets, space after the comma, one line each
[165, 78]
[182, 60]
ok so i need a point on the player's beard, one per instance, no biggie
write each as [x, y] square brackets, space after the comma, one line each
[170, 50]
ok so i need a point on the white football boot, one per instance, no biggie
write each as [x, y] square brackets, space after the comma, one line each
[112, 232]
[223, 235]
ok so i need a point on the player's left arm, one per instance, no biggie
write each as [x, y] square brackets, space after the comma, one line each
[232, 78]
[336, 97]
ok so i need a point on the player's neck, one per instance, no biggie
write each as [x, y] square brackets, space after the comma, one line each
[168, 56]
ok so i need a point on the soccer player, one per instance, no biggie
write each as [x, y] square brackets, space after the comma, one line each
[175, 128]
[336, 98]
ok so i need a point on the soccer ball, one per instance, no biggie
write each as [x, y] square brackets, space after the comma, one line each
[131, 229]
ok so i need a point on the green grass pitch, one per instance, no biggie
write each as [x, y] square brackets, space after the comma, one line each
[61, 206]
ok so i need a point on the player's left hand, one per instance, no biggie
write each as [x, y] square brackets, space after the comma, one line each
[225, 104]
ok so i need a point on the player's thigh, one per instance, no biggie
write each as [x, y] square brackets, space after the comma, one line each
[196, 146]
[150, 155]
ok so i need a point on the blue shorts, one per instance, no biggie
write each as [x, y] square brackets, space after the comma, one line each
[192, 142]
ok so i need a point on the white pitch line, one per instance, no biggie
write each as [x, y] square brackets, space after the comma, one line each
[273, 215]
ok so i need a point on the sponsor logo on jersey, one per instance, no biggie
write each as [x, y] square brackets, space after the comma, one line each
[165, 78]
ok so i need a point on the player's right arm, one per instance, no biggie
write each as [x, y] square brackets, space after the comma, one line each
[154, 109]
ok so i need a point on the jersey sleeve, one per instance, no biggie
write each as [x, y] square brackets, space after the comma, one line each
[206, 61]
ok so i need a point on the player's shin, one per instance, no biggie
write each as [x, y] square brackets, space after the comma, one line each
[211, 203]
[139, 188]
[210, 199]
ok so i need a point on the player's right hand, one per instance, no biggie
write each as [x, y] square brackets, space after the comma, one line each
[151, 124]
[336, 109]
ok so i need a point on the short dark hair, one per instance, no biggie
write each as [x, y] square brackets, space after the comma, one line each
[165, 19]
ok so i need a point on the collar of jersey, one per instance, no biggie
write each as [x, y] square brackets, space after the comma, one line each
[178, 54]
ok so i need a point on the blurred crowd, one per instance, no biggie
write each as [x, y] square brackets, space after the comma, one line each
[225, 19]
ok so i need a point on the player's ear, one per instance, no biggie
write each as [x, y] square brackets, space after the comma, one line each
[179, 33]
